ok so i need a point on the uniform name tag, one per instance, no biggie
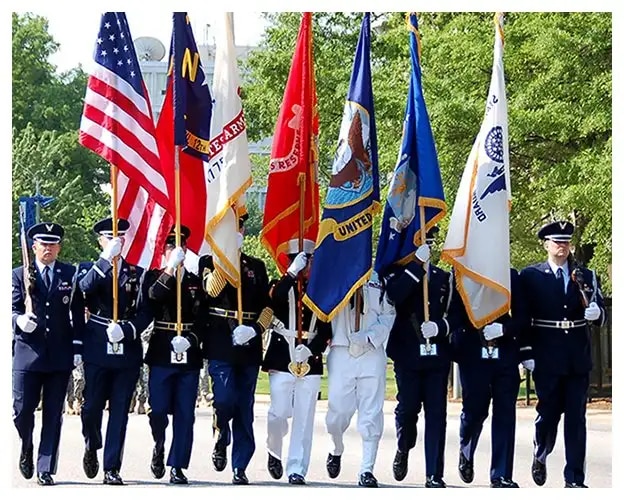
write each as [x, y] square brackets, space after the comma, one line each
[489, 353]
[115, 349]
[179, 358]
[432, 351]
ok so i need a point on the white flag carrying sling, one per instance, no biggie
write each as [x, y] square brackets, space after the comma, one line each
[477, 243]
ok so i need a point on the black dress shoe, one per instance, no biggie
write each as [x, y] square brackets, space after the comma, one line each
[367, 480]
[575, 485]
[275, 467]
[158, 462]
[90, 463]
[296, 479]
[435, 482]
[45, 479]
[26, 466]
[538, 471]
[219, 458]
[399, 466]
[112, 477]
[502, 482]
[239, 477]
[176, 476]
[333, 465]
[465, 468]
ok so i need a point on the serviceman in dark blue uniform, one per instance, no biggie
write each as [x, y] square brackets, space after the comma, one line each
[234, 354]
[174, 359]
[113, 353]
[488, 361]
[47, 346]
[293, 393]
[421, 369]
[561, 349]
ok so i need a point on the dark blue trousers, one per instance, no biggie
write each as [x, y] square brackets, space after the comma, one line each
[173, 391]
[27, 391]
[115, 386]
[426, 389]
[565, 394]
[234, 387]
[482, 383]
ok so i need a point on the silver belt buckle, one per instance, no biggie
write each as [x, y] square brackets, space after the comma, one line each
[179, 358]
[115, 349]
[566, 324]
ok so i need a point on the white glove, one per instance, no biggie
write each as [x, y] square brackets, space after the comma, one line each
[492, 331]
[239, 240]
[180, 344]
[358, 338]
[298, 263]
[77, 360]
[176, 257]
[114, 332]
[302, 353]
[112, 249]
[27, 322]
[423, 253]
[429, 329]
[243, 334]
[529, 364]
[592, 313]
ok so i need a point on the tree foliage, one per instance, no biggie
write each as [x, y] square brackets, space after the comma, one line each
[558, 74]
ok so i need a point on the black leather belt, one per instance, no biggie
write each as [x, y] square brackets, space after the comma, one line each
[166, 325]
[564, 325]
[226, 313]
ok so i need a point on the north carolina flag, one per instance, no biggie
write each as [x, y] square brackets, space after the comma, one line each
[228, 172]
[417, 181]
[294, 159]
[343, 255]
[477, 243]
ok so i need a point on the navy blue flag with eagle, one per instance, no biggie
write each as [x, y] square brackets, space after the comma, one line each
[192, 102]
[416, 181]
[343, 253]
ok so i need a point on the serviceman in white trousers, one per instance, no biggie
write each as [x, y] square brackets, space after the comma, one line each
[295, 371]
[356, 367]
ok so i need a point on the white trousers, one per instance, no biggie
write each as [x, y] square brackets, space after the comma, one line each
[292, 397]
[356, 384]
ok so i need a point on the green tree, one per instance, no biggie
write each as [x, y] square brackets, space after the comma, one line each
[559, 107]
[47, 100]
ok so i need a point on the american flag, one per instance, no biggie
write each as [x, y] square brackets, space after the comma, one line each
[117, 124]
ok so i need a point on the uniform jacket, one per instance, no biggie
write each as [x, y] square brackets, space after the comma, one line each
[60, 321]
[467, 341]
[405, 292]
[277, 356]
[133, 313]
[162, 302]
[558, 350]
[255, 298]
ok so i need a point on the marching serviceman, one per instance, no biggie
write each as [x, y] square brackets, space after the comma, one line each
[234, 354]
[113, 353]
[488, 361]
[174, 359]
[47, 345]
[356, 366]
[421, 368]
[295, 371]
[563, 301]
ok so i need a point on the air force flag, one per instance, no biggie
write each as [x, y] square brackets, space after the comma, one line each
[477, 242]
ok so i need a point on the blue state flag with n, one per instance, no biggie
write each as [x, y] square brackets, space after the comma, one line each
[343, 253]
[415, 196]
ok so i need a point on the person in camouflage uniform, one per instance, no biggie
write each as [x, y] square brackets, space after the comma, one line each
[140, 396]
[74, 391]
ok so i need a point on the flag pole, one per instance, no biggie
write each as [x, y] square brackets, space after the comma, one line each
[239, 289]
[113, 172]
[178, 240]
[425, 283]
[301, 181]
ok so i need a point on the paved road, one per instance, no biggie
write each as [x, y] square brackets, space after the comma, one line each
[139, 445]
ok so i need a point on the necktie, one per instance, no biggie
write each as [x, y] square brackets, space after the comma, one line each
[560, 279]
[46, 277]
